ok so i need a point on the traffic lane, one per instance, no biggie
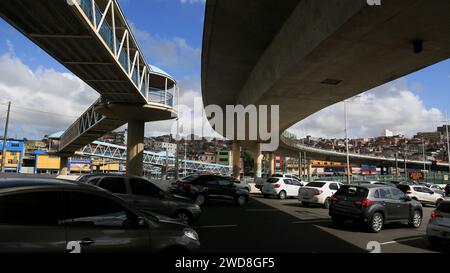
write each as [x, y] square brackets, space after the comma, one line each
[396, 237]
[259, 228]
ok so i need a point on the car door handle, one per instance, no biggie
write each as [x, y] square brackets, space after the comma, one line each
[87, 242]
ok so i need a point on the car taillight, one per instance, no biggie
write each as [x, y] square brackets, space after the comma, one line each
[364, 203]
[276, 186]
[435, 214]
[187, 186]
[333, 198]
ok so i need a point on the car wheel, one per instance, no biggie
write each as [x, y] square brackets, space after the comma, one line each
[376, 223]
[338, 221]
[416, 219]
[241, 200]
[184, 217]
[282, 195]
[327, 203]
[305, 204]
[200, 200]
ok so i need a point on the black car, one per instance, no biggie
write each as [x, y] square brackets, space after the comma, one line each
[447, 190]
[56, 216]
[146, 196]
[207, 188]
[374, 205]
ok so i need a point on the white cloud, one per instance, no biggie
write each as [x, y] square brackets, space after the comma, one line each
[189, 95]
[173, 54]
[391, 106]
[43, 90]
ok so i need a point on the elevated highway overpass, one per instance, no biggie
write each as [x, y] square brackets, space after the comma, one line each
[305, 55]
[92, 39]
[292, 147]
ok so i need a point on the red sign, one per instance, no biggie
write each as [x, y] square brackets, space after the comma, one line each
[416, 176]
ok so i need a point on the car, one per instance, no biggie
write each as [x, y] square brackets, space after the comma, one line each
[437, 189]
[422, 194]
[260, 182]
[146, 196]
[56, 216]
[206, 188]
[447, 190]
[281, 187]
[289, 176]
[438, 229]
[174, 185]
[386, 184]
[241, 183]
[366, 182]
[318, 192]
[374, 205]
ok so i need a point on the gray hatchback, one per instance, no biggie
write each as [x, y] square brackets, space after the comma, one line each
[146, 196]
[375, 205]
[55, 216]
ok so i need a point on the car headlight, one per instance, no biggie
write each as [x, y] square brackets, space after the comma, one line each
[191, 234]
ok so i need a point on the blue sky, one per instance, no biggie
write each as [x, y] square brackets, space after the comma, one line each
[170, 34]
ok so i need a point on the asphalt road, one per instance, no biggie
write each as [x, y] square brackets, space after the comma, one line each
[275, 226]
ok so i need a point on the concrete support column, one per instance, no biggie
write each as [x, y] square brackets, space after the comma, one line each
[135, 147]
[64, 166]
[236, 154]
[257, 157]
[271, 164]
[309, 169]
[300, 165]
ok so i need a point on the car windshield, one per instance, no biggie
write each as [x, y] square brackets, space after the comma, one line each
[352, 191]
[316, 184]
[444, 207]
[272, 180]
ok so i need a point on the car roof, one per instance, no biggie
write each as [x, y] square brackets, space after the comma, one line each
[12, 184]
[323, 181]
[369, 186]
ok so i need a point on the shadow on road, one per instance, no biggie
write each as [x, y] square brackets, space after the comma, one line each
[259, 228]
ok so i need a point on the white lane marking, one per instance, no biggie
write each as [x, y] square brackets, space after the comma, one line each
[262, 210]
[306, 221]
[216, 226]
[403, 240]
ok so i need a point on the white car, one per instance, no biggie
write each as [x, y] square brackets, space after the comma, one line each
[281, 187]
[422, 194]
[289, 176]
[318, 192]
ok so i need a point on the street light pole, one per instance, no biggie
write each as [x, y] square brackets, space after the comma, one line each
[448, 140]
[346, 143]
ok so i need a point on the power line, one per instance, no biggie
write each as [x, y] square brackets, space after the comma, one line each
[42, 112]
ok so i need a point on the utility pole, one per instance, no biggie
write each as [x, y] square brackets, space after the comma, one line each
[5, 138]
[396, 165]
[404, 157]
[346, 143]
[185, 153]
[424, 158]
